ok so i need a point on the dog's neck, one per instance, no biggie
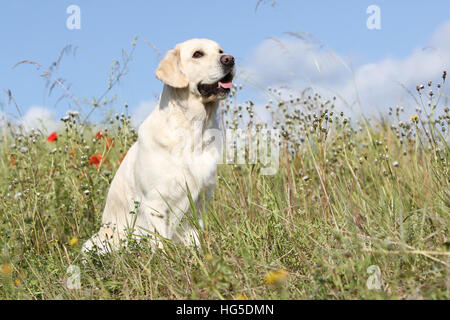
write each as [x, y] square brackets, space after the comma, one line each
[186, 104]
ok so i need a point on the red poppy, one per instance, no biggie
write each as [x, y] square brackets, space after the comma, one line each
[52, 137]
[95, 159]
[109, 142]
[99, 135]
[13, 161]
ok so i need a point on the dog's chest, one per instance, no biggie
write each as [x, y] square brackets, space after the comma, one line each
[202, 165]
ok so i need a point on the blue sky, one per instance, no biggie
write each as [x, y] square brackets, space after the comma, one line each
[36, 30]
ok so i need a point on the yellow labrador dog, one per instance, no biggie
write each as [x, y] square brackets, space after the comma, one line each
[148, 194]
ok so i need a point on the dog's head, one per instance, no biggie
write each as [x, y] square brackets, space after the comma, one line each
[199, 65]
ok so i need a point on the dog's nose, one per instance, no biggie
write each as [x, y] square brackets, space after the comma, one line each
[227, 60]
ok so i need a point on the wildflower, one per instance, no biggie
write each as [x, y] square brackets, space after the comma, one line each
[13, 161]
[395, 163]
[17, 282]
[73, 242]
[73, 114]
[241, 296]
[95, 159]
[99, 135]
[276, 277]
[208, 257]
[415, 118]
[23, 149]
[109, 142]
[6, 269]
[52, 137]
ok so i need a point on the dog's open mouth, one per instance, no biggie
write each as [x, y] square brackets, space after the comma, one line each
[219, 88]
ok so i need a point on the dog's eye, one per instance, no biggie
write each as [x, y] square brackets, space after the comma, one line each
[220, 51]
[198, 54]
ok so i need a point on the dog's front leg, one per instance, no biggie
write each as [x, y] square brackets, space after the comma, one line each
[156, 220]
[188, 231]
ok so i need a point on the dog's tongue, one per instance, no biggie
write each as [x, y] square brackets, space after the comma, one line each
[226, 85]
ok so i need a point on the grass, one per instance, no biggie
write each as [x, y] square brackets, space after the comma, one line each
[348, 195]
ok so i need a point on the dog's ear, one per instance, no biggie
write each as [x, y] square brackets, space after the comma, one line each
[169, 70]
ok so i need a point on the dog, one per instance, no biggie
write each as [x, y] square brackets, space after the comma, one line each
[173, 161]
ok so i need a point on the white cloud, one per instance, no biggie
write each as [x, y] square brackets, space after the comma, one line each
[142, 111]
[40, 118]
[298, 64]
[292, 60]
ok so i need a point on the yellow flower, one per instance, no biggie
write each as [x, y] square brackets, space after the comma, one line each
[6, 269]
[277, 276]
[241, 296]
[73, 241]
[415, 117]
[208, 257]
[17, 282]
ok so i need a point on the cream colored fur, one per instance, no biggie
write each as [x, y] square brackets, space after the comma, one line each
[171, 153]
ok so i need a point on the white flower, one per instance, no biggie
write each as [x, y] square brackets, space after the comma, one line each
[23, 149]
[74, 114]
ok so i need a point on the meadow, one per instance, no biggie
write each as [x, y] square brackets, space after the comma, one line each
[358, 209]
